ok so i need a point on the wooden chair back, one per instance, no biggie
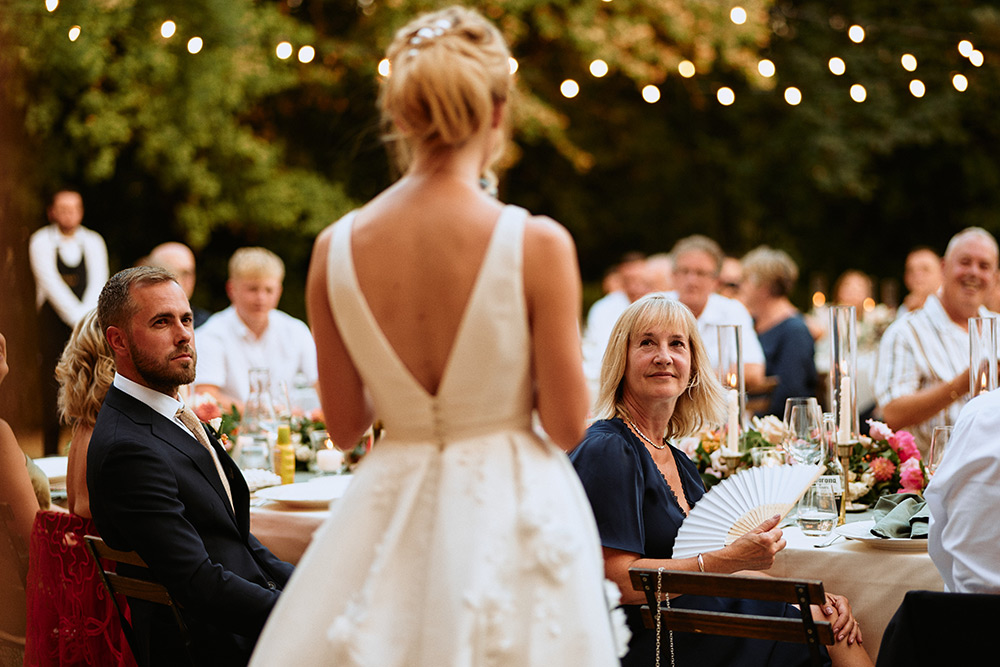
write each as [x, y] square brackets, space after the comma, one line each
[802, 630]
[133, 587]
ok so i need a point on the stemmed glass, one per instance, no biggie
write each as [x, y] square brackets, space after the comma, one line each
[803, 423]
[939, 445]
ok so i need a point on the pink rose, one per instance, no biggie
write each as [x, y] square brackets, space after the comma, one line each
[905, 446]
[878, 430]
[911, 476]
[207, 411]
[316, 415]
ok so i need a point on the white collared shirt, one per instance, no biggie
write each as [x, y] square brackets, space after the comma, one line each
[227, 350]
[923, 349]
[963, 498]
[721, 310]
[45, 245]
[159, 402]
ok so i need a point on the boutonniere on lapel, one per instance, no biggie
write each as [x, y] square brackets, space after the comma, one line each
[223, 425]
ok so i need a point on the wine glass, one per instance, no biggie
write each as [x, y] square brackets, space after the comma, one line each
[939, 445]
[803, 424]
[817, 510]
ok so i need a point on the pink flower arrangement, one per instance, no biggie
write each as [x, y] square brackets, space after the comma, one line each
[882, 469]
[878, 430]
[911, 476]
[904, 445]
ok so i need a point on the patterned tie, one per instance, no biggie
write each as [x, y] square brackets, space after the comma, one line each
[190, 419]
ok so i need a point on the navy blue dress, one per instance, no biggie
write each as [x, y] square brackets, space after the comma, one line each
[788, 353]
[636, 511]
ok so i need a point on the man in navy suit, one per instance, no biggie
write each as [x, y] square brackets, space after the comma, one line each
[172, 494]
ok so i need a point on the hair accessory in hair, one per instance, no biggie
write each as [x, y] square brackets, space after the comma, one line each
[428, 33]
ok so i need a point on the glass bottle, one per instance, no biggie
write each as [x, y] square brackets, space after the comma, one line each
[259, 423]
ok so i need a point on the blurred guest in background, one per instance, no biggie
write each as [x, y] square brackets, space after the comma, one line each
[730, 277]
[660, 269]
[70, 266]
[922, 376]
[922, 277]
[253, 333]
[768, 278]
[634, 279]
[179, 260]
[697, 264]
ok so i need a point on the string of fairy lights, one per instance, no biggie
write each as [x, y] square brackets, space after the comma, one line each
[570, 87]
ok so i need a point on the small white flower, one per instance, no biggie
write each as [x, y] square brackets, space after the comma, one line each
[215, 423]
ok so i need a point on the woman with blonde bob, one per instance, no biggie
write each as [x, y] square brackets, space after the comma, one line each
[454, 318]
[657, 385]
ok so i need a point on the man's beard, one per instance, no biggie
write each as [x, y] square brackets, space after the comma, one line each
[159, 374]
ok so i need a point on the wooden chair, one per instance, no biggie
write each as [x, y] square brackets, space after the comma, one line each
[133, 587]
[803, 630]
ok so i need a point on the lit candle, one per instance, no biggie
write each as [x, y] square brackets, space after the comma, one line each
[844, 430]
[732, 431]
[329, 458]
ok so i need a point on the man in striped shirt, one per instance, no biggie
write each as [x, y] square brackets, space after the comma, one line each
[922, 377]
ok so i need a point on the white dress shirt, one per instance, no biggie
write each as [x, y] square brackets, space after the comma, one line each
[227, 350]
[45, 245]
[721, 310]
[964, 500]
[601, 319]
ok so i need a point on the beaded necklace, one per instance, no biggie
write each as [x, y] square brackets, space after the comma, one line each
[643, 435]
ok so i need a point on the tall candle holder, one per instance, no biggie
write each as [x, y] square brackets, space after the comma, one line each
[844, 389]
[730, 371]
[982, 355]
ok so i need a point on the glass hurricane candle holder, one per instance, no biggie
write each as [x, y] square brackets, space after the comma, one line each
[844, 372]
[982, 355]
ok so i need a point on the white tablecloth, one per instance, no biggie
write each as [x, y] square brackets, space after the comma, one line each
[874, 580]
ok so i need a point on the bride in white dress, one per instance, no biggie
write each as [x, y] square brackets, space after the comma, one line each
[464, 538]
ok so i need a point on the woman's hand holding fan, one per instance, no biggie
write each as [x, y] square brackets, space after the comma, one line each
[754, 551]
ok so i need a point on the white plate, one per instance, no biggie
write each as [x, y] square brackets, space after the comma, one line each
[861, 532]
[54, 468]
[315, 494]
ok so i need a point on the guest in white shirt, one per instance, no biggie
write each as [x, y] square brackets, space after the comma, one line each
[252, 333]
[70, 266]
[922, 277]
[635, 281]
[964, 497]
[697, 265]
[922, 376]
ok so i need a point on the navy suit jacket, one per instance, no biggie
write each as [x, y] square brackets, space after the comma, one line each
[155, 490]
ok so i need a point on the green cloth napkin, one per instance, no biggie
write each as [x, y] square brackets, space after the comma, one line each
[902, 515]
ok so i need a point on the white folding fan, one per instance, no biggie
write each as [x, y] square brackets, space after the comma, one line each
[738, 504]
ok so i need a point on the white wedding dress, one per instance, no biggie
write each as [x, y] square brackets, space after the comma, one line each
[464, 538]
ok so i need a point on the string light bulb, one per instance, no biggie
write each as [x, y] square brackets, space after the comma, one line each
[793, 96]
[960, 83]
[766, 68]
[965, 48]
[384, 68]
[738, 15]
[908, 61]
[51, 5]
[858, 93]
[837, 65]
[976, 57]
[651, 93]
[512, 64]
[283, 50]
[686, 69]
[194, 45]
[306, 54]
[167, 29]
[726, 96]
[569, 88]
[598, 68]
[856, 34]
[917, 88]
[74, 33]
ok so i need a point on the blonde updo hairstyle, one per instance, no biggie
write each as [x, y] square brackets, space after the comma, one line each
[701, 405]
[448, 71]
[85, 372]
